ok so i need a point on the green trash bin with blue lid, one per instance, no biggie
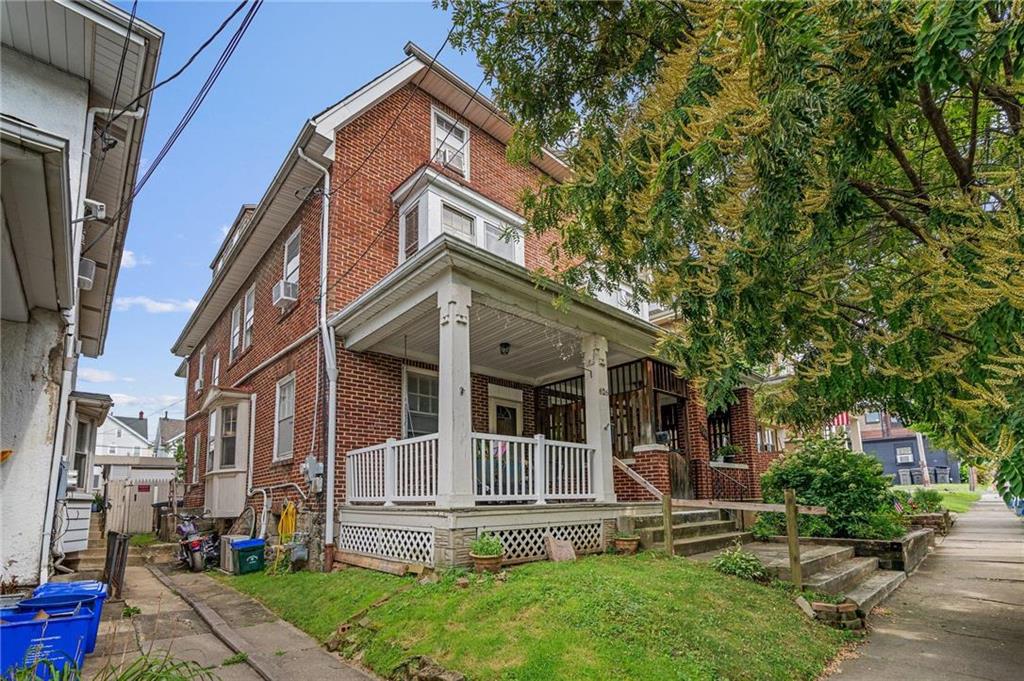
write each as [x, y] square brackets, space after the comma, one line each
[248, 555]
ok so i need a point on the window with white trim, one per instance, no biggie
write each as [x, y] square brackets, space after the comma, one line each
[411, 231]
[451, 143]
[201, 372]
[197, 448]
[904, 455]
[211, 439]
[873, 417]
[228, 433]
[421, 400]
[236, 331]
[215, 370]
[250, 313]
[284, 418]
[291, 257]
[499, 241]
[458, 223]
[904, 476]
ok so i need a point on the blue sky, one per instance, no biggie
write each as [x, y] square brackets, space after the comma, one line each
[295, 60]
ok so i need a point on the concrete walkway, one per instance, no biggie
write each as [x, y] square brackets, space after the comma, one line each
[961, 616]
[182, 626]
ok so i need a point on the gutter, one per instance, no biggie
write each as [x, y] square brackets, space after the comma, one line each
[330, 356]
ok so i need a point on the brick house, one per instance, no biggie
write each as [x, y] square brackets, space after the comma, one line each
[454, 397]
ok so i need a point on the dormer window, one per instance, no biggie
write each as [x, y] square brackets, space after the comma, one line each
[451, 144]
[458, 223]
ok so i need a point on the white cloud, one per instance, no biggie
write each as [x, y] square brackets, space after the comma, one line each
[96, 375]
[129, 260]
[154, 306]
[224, 229]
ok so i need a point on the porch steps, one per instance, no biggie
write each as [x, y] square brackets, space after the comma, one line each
[842, 576]
[701, 528]
[875, 589]
[678, 517]
[694, 545]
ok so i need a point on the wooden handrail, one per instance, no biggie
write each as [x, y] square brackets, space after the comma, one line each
[746, 506]
[638, 479]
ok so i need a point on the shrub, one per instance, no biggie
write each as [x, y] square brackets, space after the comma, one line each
[486, 545]
[926, 500]
[825, 473]
[626, 535]
[737, 562]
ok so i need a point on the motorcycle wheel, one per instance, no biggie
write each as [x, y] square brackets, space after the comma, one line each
[198, 563]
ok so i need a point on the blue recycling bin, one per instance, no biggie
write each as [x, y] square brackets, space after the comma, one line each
[55, 640]
[88, 587]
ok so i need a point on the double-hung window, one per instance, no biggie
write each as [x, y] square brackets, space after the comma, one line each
[215, 370]
[904, 455]
[250, 312]
[236, 331]
[499, 241]
[197, 446]
[451, 144]
[291, 258]
[284, 418]
[211, 439]
[84, 440]
[458, 223]
[201, 371]
[420, 403]
[228, 431]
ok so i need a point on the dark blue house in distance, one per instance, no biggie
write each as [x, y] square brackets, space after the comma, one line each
[896, 446]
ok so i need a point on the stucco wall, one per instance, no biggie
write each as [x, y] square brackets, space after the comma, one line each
[30, 396]
[49, 99]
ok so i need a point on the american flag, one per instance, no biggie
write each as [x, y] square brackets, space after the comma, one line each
[841, 419]
[898, 505]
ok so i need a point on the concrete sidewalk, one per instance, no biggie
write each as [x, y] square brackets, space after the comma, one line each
[167, 622]
[961, 616]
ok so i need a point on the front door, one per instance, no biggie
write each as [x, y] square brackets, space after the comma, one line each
[507, 418]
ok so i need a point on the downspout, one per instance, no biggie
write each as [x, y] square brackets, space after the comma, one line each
[330, 358]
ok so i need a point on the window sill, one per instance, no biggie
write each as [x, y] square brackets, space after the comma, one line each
[281, 460]
[239, 356]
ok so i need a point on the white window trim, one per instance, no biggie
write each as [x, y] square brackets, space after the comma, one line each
[220, 438]
[201, 371]
[211, 442]
[215, 369]
[277, 456]
[434, 113]
[406, 370]
[904, 458]
[298, 256]
[248, 313]
[235, 341]
[197, 446]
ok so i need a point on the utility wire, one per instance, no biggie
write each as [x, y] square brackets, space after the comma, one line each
[117, 84]
[185, 119]
[177, 73]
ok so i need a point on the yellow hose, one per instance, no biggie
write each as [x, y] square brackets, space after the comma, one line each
[286, 526]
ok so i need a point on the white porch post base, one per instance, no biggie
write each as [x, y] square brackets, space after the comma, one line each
[598, 414]
[454, 453]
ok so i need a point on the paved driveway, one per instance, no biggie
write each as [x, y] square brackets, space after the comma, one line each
[961, 616]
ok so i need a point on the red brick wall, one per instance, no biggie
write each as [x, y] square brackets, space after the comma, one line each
[743, 432]
[653, 467]
[697, 442]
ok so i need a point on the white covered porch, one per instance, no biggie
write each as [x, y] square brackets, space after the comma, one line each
[470, 314]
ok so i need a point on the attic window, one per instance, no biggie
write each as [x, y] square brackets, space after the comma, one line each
[451, 144]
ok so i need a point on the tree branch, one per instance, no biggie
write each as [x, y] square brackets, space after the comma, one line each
[891, 211]
[905, 164]
[1005, 100]
[938, 124]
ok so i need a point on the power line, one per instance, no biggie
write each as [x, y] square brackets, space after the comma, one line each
[177, 73]
[117, 84]
[185, 119]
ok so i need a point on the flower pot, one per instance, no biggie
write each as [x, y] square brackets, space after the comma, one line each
[487, 563]
[627, 546]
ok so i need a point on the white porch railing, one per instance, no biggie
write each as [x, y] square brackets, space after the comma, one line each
[396, 471]
[505, 469]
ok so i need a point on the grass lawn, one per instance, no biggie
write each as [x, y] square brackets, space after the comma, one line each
[955, 498]
[144, 539]
[601, 617]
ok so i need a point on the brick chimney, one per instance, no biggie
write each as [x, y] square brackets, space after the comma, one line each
[142, 415]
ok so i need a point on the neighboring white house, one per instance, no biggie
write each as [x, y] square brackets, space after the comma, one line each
[124, 436]
[61, 151]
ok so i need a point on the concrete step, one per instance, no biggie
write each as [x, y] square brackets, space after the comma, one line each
[678, 517]
[841, 577]
[650, 536]
[813, 559]
[875, 589]
[693, 545]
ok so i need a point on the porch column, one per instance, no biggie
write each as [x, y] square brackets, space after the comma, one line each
[454, 403]
[598, 414]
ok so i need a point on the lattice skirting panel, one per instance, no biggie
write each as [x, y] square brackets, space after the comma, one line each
[395, 543]
[523, 544]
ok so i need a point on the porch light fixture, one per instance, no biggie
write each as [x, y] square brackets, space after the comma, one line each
[504, 348]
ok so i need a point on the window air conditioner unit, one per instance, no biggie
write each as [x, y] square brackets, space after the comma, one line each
[451, 159]
[198, 384]
[86, 273]
[285, 295]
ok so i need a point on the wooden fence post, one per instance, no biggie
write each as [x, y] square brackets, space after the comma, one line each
[666, 510]
[792, 534]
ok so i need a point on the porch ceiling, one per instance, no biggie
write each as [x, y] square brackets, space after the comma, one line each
[539, 352]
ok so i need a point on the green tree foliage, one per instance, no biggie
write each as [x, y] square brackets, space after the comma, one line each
[828, 189]
[850, 484]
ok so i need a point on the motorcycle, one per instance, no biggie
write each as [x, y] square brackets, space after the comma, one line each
[195, 549]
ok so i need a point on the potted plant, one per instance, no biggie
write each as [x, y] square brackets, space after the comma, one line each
[97, 503]
[728, 453]
[627, 542]
[487, 553]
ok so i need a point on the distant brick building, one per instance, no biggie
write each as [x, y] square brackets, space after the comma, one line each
[453, 396]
